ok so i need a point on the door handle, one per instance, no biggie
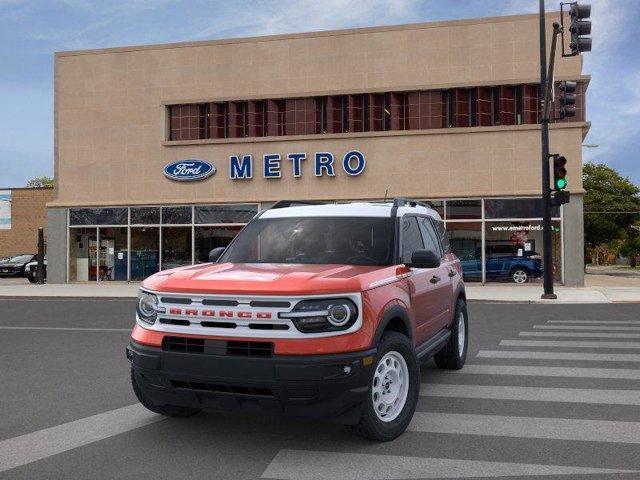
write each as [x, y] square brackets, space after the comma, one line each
[435, 279]
[452, 273]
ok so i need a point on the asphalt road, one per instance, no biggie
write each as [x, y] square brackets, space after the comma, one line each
[548, 392]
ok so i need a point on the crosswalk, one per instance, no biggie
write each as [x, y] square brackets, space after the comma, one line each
[561, 389]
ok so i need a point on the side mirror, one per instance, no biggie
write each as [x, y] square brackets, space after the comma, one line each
[215, 254]
[424, 259]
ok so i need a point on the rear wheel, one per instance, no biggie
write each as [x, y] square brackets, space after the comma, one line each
[393, 390]
[454, 354]
[167, 410]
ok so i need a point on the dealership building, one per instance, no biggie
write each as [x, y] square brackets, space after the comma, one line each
[163, 152]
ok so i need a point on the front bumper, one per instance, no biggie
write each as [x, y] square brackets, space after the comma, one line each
[11, 272]
[313, 386]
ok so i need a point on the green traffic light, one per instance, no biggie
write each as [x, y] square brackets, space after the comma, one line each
[561, 183]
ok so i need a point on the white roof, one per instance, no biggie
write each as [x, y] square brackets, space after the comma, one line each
[355, 209]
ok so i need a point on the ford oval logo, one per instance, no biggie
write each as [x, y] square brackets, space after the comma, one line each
[188, 170]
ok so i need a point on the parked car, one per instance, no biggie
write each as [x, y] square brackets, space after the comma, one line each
[14, 267]
[502, 264]
[316, 311]
[31, 270]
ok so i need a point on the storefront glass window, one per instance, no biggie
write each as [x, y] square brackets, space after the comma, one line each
[98, 216]
[208, 238]
[438, 206]
[465, 239]
[145, 252]
[176, 215]
[516, 208]
[82, 254]
[463, 209]
[176, 247]
[513, 251]
[225, 213]
[113, 254]
[145, 215]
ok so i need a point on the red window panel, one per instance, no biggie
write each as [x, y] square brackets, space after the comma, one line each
[376, 117]
[275, 118]
[483, 107]
[460, 107]
[256, 110]
[300, 116]
[236, 119]
[426, 110]
[217, 120]
[580, 104]
[187, 122]
[506, 105]
[336, 114]
[396, 111]
[356, 107]
[530, 104]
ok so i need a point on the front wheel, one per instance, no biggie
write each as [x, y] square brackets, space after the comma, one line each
[454, 354]
[394, 387]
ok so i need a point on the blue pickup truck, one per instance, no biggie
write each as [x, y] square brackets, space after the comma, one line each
[502, 264]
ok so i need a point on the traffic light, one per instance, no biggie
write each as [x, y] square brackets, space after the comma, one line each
[559, 172]
[559, 198]
[580, 27]
[567, 98]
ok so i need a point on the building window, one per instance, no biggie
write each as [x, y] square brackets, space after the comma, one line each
[301, 117]
[176, 215]
[484, 116]
[515, 208]
[337, 114]
[426, 110]
[145, 252]
[530, 104]
[208, 238]
[236, 119]
[98, 216]
[465, 239]
[506, 106]
[217, 120]
[215, 214]
[187, 122]
[463, 209]
[176, 247]
[145, 215]
[275, 118]
[357, 113]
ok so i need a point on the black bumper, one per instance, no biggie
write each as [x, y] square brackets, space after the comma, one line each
[313, 386]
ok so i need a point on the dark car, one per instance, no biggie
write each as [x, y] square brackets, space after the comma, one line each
[31, 270]
[14, 267]
[502, 264]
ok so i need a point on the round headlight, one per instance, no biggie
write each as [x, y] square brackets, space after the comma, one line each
[338, 314]
[147, 307]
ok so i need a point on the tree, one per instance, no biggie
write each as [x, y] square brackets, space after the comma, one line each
[611, 205]
[40, 182]
[631, 246]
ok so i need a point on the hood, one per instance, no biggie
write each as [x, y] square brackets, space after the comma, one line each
[267, 278]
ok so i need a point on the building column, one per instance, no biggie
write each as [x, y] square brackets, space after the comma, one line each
[56, 245]
[573, 234]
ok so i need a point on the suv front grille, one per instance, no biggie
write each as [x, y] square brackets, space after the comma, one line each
[230, 389]
[183, 344]
[217, 347]
[250, 349]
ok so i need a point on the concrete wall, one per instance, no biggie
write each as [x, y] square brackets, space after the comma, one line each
[27, 215]
[574, 242]
[57, 245]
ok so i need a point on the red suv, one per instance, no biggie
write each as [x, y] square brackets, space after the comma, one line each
[313, 311]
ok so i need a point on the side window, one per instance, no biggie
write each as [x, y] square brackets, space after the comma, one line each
[430, 238]
[411, 238]
[443, 234]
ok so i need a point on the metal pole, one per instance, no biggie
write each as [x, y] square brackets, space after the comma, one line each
[546, 191]
[40, 257]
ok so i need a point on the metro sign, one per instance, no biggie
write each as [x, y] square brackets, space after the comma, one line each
[324, 164]
[242, 314]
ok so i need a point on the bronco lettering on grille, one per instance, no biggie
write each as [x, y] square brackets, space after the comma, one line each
[192, 312]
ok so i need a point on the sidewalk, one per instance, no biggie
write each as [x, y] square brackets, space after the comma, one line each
[475, 291]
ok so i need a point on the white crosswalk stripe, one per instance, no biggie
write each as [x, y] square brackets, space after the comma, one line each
[317, 465]
[601, 322]
[589, 327]
[534, 394]
[569, 344]
[596, 357]
[546, 371]
[626, 335]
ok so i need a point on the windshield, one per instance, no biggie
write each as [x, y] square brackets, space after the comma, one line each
[20, 258]
[318, 240]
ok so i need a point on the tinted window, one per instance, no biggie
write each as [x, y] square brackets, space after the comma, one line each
[176, 215]
[145, 215]
[98, 216]
[314, 240]
[444, 236]
[516, 208]
[429, 236]
[462, 209]
[411, 238]
[225, 213]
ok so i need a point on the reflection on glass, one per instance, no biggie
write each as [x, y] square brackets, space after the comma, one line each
[241, 213]
[516, 208]
[112, 256]
[145, 252]
[176, 247]
[176, 215]
[98, 216]
[82, 254]
[145, 215]
[465, 239]
[514, 250]
[208, 238]
[463, 209]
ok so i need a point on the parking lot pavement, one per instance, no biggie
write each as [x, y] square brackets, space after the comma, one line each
[549, 391]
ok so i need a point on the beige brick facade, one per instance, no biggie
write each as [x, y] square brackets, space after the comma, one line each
[28, 212]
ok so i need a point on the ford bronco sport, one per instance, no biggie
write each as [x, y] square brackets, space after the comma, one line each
[313, 310]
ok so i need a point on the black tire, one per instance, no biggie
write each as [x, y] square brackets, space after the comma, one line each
[167, 410]
[372, 427]
[32, 279]
[450, 357]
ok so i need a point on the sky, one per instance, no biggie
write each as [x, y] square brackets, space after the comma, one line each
[31, 30]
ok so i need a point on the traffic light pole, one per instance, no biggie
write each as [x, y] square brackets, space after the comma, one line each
[547, 261]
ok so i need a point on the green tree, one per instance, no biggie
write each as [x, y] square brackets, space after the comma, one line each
[631, 245]
[611, 205]
[40, 182]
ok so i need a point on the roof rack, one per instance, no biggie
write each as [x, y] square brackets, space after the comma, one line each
[291, 203]
[402, 201]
